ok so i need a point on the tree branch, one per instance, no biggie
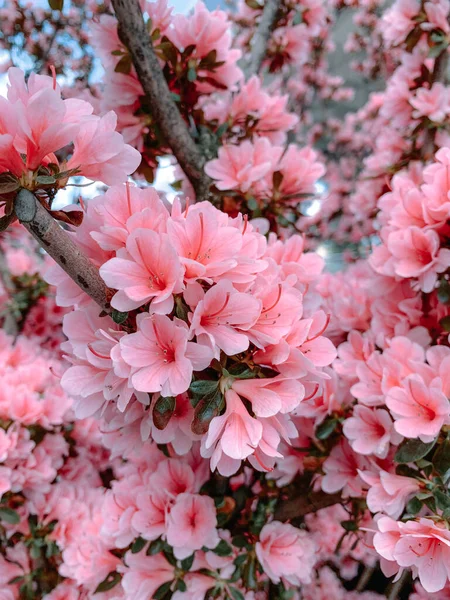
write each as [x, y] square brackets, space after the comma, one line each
[135, 36]
[61, 247]
[262, 35]
[300, 506]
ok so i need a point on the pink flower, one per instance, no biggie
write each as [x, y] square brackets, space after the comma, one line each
[223, 317]
[234, 434]
[100, 153]
[432, 103]
[417, 253]
[419, 410]
[161, 355]
[370, 431]
[151, 271]
[192, 524]
[388, 492]
[286, 553]
[342, 470]
[143, 574]
[270, 396]
[423, 545]
[240, 167]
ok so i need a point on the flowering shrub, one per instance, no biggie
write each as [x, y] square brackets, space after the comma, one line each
[192, 403]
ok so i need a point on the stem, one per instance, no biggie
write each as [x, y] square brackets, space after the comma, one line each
[397, 586]
[10, 326]
[302, 505]
[134, 34]
[262, 35]
[61, 247]
[366, 576]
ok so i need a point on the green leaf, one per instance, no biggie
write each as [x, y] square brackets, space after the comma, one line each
[326, 428]
[138, 544]
[349, 525]
[110, 581]
[9, 186]
[203, 387]
[45, 180]
[442, 500]
[56, 4]
[175, 97]
[186, 564]
[163, 410]
[249, 574]
[155, 547]
[443, 292]
[207, 408]
[192, 74]
[441, 458]
[119, 317]
[124, 65]
[181, 586]
[162, 590]
[236, 594]
[445, 323]
[412, 450]
[413, 506]
[223, 549]
[9, 515]
[240, 541]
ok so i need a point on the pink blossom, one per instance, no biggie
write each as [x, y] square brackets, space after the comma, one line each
[150, 270]
[432, 103]
[286, 553]
[419, 410]
[370, 431]
[342, 470]
[162, 358]
[143, 574]
[192, 524]
[388, 492]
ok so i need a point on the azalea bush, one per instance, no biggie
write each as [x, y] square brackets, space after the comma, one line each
[193, 403]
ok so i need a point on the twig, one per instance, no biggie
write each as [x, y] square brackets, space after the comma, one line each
[61, 247]
[262, 35]
[10, 326]
[302, 505]
[397, 586]
[366, 576]
[135, 36]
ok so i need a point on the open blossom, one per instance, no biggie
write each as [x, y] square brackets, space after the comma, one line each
[423, 545]
[286, 553]
[432, 103]
[162, 358]
[370, 431]
[240, 167]
[388, 493]
[417, 253]
[419, 410]
[192, 524]
[151, 270]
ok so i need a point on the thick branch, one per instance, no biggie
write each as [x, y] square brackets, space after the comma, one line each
[61, 247]
[135, 36]
[262, 35]
[302, 505]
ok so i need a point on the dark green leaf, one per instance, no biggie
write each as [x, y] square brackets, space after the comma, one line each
[413, 506]
[181, 586]
[207, 408]
[249, 574]
[443, 292]
[124, 65]
[441, 458]
[412, 450]
[155, 547]
[162, 591]
[9, 186]
[349, 525]
[175, 97]
[45, 180]
[138, 545]
[110, 581]
[9, 515]
[119, 317]
[163, 410]
[56, 4]
[445, 323]
[240, 541]
[442, 500]
[236, 594]
[14, 580]
[412, 39]
[186, 564]
[326, 428]
[203, 387]
[223, 549]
